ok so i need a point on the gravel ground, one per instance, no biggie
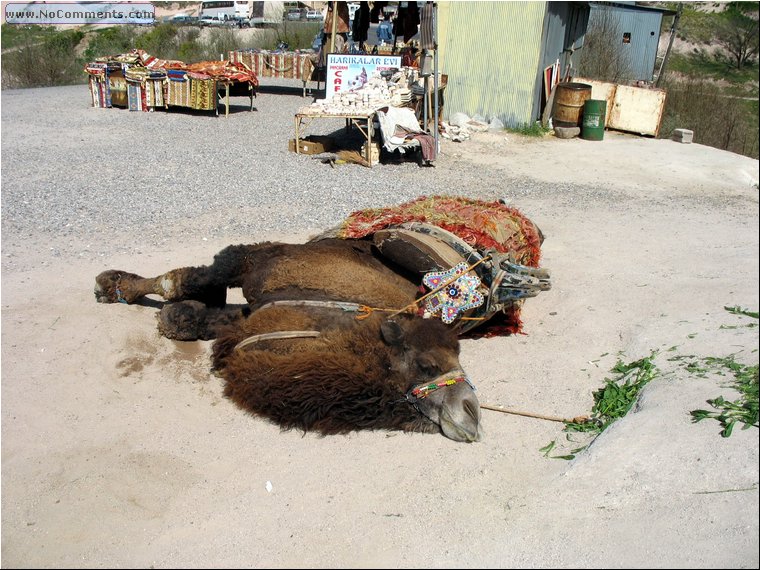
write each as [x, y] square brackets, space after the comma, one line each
[82, 174]
[79, 172]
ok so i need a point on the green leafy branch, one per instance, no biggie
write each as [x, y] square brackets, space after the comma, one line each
[615, 399]
[744, 410]
[739, 311]
[618, 395]
[611, 402]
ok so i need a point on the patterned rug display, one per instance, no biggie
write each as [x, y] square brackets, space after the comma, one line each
[158, 83]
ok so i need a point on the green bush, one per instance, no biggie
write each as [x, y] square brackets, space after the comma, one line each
[49, 61]
[220, 42]
[160, 41]
[110, 41]
[718, 119]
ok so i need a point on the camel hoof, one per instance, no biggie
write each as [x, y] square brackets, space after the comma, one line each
[112, 287]
[185, 320]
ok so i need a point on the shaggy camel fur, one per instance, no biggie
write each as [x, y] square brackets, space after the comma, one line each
[357, 374]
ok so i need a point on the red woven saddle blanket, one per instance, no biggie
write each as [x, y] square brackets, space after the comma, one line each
[483, 225]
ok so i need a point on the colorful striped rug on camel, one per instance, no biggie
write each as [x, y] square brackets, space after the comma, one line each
[437, 231]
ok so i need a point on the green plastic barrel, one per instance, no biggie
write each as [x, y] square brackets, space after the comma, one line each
[594, 111]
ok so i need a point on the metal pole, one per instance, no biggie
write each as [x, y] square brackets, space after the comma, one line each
[334, 27]
[435, 77]
[670, 45]
[425, 103]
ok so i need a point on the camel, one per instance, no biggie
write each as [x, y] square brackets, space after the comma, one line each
[377, 373]
[335, 335]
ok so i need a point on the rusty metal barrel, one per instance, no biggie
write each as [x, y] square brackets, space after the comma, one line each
[568, 104]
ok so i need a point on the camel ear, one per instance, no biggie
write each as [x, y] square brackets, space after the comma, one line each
[392, 333]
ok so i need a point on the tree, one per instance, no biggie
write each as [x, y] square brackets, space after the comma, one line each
[738, 34]
[602, 55]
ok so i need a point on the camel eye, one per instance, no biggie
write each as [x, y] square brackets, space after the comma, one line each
[428, 366]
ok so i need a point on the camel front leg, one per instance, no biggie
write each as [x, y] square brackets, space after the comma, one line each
[207, 283]
[186, 283]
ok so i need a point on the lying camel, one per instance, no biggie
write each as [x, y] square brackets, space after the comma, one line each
[363, 340]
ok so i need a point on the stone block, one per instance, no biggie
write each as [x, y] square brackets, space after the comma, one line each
[567, 132]
[684, 136]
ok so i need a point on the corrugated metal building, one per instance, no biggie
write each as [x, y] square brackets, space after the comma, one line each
[494, 53]
[638, 33]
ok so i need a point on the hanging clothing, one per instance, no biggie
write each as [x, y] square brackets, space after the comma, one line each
[360, 28]
[377, 11]
[342, 23]
[341, 43]
[407, 20]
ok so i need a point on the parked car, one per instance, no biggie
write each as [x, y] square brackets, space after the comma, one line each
[313, 15]
[240, 22]
[183, 20]
[294, 15]
[211, 21]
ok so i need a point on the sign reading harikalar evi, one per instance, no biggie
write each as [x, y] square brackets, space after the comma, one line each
[347, 72]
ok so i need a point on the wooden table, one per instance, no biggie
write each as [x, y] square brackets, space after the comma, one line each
[237, 88]
[363, 121]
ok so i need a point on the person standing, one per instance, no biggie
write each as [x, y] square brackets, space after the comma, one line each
[384, 32]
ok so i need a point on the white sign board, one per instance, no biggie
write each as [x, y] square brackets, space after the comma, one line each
[346, 72]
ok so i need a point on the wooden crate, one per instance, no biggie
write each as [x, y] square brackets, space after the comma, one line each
[312, 145]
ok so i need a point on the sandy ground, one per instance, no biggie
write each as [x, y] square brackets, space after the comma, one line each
[119, 450]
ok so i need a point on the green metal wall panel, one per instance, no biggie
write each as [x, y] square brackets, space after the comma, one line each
[491, 52]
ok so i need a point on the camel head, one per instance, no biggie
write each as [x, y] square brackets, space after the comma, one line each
[426, 356]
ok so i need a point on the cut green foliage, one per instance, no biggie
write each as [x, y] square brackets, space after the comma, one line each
[740, 311]
[619, 393]
[611, 402]
[744, 410]
[548, 448]
[615, 399]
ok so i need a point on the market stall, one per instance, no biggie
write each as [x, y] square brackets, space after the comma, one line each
[362, 119]
[383, 96]
[418, 59]
[141, 82]
[278, 64]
